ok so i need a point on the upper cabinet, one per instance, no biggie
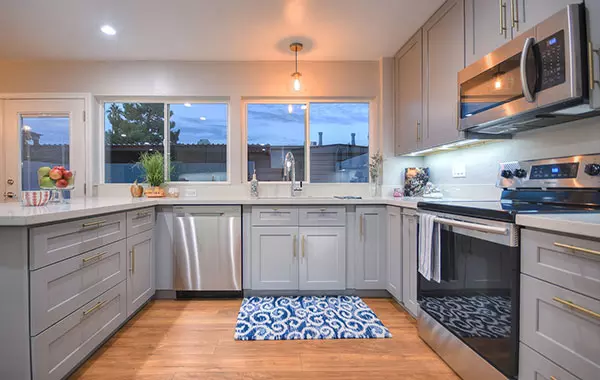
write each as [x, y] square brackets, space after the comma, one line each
[443, 38]
[489, 24]
[408, 74]
[425, 87]
[593, 22]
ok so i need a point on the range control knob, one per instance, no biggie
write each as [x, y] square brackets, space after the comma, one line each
[592, 169]
[520, 173]
[506, 174]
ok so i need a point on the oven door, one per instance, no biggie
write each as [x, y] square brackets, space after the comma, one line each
[478, 298]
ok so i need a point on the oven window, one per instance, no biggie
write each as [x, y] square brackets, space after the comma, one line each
[477, 298]
[492, 88]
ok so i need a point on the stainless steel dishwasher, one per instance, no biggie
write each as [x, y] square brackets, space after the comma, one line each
[207, 251]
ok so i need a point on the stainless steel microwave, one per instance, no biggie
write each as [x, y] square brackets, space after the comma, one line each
[540, 78]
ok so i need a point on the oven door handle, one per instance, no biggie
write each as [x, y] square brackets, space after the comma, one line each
[472, 226]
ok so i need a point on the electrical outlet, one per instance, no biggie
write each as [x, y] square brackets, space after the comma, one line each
[190, 192]
[459, 170]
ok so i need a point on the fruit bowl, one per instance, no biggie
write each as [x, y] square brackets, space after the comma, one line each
[56, 178]
[35, 198]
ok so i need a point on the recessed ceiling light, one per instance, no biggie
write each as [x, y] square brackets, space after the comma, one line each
[107, 29]
[202, 118]
[187, 104]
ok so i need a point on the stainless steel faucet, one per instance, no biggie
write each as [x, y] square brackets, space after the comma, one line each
[290, 173]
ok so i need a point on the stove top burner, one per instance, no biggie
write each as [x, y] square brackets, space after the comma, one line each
[501, 210]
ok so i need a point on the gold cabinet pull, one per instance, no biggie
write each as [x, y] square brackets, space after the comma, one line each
[93, 224]
[132, 269]
[360, 232]
[294, 243]
[303, 246]
[576, 307]
[143, 214]
[591, 53]
[418, 130]
[552, 378]
[97, 256]
[502, 17]
[514, 14]
[574, 248]
[94, 308]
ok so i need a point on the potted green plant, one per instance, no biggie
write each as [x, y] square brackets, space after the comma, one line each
[154, 172]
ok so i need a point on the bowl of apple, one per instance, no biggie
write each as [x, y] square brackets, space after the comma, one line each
[56, 178]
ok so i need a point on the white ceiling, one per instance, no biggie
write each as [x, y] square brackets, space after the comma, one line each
[208, 30]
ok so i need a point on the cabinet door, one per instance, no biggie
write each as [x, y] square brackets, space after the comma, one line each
[525, 14]
[322, 258]
[140, 278]
[370, 252]
[274, 258]
[593, 15]
[408, 95]
[394, 252]
[443, 58]
[486, 27]
[409, 263]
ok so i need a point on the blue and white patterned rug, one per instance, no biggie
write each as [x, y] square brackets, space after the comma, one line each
[303, 317]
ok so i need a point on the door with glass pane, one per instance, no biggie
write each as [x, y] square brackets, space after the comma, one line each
[42, 134]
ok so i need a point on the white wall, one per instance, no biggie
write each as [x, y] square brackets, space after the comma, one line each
[233, 80]
[581, 137]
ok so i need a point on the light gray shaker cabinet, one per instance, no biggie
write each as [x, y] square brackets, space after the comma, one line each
[408, 95]
[593, 15]
[486, 27]
[443, 58]
[525, 14]
[140, 276]
[394, 252]
[370, 247]
[409, 260]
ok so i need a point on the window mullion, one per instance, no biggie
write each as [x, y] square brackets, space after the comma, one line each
[307, 143]
[166, 143]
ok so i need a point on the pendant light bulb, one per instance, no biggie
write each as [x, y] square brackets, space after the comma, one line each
[297, 84]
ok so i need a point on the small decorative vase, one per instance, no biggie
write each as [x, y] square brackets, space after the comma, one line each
[375, 188]
[254, 186]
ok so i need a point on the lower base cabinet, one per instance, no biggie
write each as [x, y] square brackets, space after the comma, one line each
[56, 351]
[140, 275]
[533, 366]
[409, 261]
[298, 258]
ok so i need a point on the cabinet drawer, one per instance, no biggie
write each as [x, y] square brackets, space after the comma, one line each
[140, 220]
[566, 335]
[322, 216]
[56, 242]
[533, 366]
[63, 346]
[274, 216]
[59, 289]
[562, 260]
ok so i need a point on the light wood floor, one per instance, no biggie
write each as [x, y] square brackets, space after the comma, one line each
[185, 340]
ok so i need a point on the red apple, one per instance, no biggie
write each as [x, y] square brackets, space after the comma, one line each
[67, 174]
[55, 174]
[61, 183]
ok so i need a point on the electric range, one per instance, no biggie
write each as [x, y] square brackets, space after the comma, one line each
[471, 317]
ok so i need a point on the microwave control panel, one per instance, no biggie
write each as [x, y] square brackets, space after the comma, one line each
[551, 56]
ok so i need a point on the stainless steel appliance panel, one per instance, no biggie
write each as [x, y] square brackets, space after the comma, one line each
[207, 248]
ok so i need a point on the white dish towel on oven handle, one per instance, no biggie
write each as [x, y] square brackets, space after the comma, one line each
[429, 255]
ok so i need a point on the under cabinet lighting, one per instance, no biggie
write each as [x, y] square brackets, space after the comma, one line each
[446, 147]
[107, 29]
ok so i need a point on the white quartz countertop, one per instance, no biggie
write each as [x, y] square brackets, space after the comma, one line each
[13, 214]
[583, 224]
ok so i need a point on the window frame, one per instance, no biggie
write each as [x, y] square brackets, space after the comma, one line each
[300, 101]
[166, 101]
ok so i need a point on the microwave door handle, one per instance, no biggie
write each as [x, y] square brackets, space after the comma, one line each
[524, 79]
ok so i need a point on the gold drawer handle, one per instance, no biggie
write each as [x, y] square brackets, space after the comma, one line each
[94, 308]
[97, 256]
[294, 245]
[576, 307]
[574, 248]
[553, 378]
[93, 224]
[143, 214]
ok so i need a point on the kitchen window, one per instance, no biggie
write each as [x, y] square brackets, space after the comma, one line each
[331, 139]
[196, 141]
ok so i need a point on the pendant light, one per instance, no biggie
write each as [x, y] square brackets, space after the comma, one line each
[296, 47]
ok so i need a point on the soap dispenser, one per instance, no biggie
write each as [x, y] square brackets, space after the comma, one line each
[254, 186]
